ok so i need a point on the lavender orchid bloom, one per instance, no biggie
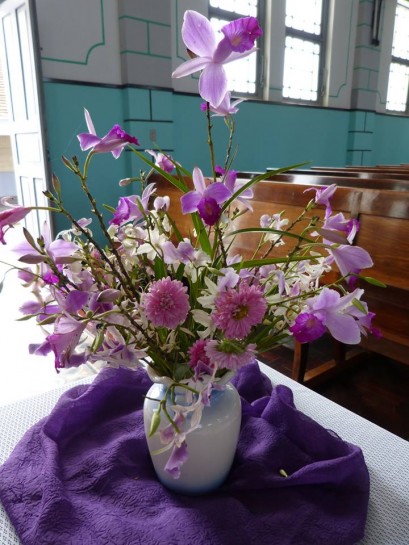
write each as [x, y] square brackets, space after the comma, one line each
[60, 251]
[64, 340]
[200, 38]
[205, 200]
[337, 228]
[233, 185]
[114, 141]
[225, 108]
[162, 160]
[323, 196]
[131, 208]
[9, 217]
[329, 310]
[350, 259]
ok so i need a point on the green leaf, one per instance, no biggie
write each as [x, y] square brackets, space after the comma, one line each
[372, 281]
[359, 306]
[202, 233]
[180, 184]
[109, 208]
[269, 230]
[160, 268]
[154, 422]
[270, 261]
[257, 179]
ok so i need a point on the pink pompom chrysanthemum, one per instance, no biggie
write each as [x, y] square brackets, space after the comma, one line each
[167, 303]
[237, 311]
[227, 355]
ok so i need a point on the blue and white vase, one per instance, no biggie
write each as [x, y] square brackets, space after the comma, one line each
[211, 447]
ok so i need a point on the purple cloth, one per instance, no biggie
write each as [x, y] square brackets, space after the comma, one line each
[83, 476]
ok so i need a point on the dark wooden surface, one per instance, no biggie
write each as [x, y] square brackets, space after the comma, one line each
[376, 389]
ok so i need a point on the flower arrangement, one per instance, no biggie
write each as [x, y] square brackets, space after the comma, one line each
[187, 307]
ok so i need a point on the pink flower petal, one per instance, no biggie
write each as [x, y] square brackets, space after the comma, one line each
[190, 67]
[198, 34]
[218, 192]
[213, 84]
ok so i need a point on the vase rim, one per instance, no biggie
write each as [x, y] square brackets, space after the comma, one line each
[167, 381]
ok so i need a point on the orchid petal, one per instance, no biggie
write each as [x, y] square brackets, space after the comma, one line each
[189, 202]
[343, 328]
[198, 180]
[75, 300]
[218, 192]
[198, 34]
[190, 67]
[213, 84]
[88, 140]
[89, 122]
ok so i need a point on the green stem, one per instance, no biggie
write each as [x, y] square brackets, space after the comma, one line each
[210, 141]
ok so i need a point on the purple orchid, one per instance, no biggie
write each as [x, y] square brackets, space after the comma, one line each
[329, 310]
[205, 200]
[210, 55]
[162, 160]
[233, 185]
[132, 208]
[64, 340]
[114, 141]
[225, 108]
[60, 251]
[350, 259]
[9, 217]
[336, 228]
[323, 196]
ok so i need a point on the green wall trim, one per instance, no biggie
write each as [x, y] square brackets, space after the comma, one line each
[336, 95]
[148, 54]
[90, 50]
[149, 21]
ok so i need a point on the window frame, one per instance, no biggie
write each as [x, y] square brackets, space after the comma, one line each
[227, 15]
[321, 40]
[400, 61]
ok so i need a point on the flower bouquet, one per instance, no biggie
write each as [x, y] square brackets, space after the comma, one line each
[186, 306]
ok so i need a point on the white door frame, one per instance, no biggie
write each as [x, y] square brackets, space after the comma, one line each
[19, 48]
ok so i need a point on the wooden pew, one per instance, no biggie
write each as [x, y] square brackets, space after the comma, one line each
[344, 181]
[350, 172]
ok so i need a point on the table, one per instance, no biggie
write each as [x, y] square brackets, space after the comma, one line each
[386, 455]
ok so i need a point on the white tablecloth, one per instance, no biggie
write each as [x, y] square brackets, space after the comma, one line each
[386, 455]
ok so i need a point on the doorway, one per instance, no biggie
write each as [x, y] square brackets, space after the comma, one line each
[23, 169]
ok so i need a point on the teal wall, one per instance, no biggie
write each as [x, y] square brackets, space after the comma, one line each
[391, 140]
[267, 135]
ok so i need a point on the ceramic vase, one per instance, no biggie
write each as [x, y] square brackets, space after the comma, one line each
[211, 447]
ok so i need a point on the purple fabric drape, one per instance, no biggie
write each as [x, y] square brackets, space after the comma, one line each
[83, 475]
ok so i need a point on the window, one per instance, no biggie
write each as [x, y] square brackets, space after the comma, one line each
[245, 74]
[398, 85]
[305, 22]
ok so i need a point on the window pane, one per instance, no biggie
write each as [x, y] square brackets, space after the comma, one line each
[400, 46]
[304, 15]
[398, 87]
[242, 73]
[242, 7]
[301, 67]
